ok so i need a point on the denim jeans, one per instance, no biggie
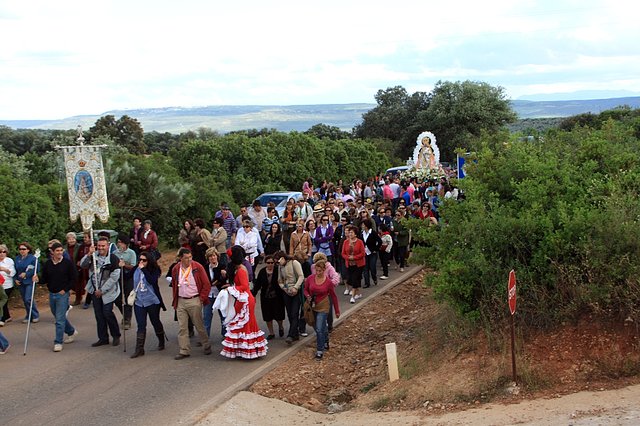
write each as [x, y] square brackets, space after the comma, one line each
[25, 292]
[207, 317]
[292, 303]
[105, 319]
[59, 303]
[370, 269]
[154, 316]
[322, 332]
[4, 343]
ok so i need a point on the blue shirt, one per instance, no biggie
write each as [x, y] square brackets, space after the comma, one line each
[26, 265]
[145, 295]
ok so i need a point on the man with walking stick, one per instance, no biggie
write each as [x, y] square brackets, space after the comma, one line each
[59, 273]
[104, 276]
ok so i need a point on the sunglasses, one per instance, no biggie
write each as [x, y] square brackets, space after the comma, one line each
[269, 263]
[143, 260]
[22, 248]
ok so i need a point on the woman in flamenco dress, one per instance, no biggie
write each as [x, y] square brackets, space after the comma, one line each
[243, 339]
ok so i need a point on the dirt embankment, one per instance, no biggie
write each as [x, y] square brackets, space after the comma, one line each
[443, 367]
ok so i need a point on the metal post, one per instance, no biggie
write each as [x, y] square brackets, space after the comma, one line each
[513, 350]
[33, 291]
[124, 304]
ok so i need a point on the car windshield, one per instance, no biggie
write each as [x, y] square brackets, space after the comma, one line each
[272, 198]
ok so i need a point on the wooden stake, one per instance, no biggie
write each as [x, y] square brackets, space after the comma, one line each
[392, 362]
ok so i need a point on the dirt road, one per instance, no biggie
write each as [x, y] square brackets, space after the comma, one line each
[614, 407]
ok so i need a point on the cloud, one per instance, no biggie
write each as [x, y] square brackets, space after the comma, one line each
[73, 57]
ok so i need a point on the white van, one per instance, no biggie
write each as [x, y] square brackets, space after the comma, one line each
[394, 171]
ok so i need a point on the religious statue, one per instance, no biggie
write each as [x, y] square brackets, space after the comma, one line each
[426, 154]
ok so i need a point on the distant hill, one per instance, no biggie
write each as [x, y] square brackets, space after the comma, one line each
[226, 118]
[543, 109]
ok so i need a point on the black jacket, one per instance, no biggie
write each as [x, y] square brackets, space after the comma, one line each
[374, 242]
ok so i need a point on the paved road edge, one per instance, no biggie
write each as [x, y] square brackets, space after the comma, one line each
[205, 410]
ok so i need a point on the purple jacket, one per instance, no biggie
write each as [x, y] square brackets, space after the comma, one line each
[322, 242]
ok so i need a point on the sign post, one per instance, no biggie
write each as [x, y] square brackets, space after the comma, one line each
[511, 293]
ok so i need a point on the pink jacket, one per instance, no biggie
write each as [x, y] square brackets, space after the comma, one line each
[331, 273]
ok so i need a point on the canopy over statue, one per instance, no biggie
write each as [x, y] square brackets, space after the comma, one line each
[85, 182]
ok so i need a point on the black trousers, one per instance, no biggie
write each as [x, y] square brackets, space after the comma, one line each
[128, 287]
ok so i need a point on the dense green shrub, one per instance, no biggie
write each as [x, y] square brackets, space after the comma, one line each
[30, 211]
[563, 211]
[247, 166]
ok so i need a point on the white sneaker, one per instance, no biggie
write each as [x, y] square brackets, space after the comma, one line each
[352, 300]
[71, 338]
[358, 296]
[4, 351]
[1, 323]
[401, 269]
[384, 277]
[57, 347]
[305, 334]
[346, 292]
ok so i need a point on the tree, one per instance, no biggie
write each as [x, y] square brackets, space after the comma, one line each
[454, 112]
[126, 132]
[394, 119]
[459, 112]
[32, 212]
[160, 142]
[322, 131]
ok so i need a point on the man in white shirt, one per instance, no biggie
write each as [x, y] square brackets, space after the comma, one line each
[395, 189]
[257, 215]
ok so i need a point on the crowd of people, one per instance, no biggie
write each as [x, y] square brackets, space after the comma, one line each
[333, 235]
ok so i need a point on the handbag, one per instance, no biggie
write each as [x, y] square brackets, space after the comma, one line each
[309, 315]
[131, 298]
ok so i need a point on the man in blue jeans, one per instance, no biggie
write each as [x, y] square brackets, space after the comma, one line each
[60, 275]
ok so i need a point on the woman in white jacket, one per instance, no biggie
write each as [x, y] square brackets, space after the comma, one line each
[7, 270]
[249, 239]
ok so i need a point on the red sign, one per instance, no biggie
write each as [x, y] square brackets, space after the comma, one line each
[512, 291]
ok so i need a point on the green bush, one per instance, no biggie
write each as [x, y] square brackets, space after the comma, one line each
[563, 211]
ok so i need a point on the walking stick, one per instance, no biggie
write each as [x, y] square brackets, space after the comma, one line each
[33, 290]
[124, 328]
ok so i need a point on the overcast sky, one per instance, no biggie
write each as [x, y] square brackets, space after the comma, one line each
[63, 58]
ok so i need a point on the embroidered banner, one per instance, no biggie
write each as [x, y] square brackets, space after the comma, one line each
[86, 184]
